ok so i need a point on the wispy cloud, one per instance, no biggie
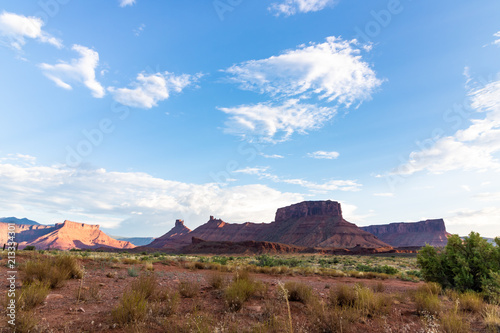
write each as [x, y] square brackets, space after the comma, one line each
[14, 29]
[325, 155]
[124, 3]
[326, 186]
[139, 30]
[108, 197]
[149, 89]
[472, 149]
[273, 156]
[273, 123]
[332, 73]
[80, 70]
[292, 7]
[497, 38]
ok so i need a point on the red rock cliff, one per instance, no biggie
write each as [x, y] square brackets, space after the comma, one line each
[408, 234]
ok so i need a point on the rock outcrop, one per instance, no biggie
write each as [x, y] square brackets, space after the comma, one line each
[411, 234]
[173, 238]
[306, 224]
[63, 236]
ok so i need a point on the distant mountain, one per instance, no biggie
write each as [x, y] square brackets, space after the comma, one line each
[15, 220]
[64, 236]
[306, 224]
[411, 234]
[137, 241]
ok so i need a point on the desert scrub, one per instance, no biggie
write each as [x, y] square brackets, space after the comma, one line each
[145, 285]
[240, 290]
[331, 319]
[32, 295]
[26, 322]
[132, 308]
[189, 289]
[453, 321]
[132, 271]
[130, 261]
[471, 301]
[426, 303]
[165, 302]
[361, 298]
[491, 317]
[216, 280]
[299, 292]
[343, 295]
[52, 270]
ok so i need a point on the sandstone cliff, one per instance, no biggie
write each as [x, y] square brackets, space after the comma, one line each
[410, 234]
[306, 224]
[63, 236]
[173, 238]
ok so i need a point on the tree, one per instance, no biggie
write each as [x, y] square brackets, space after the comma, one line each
[469, 264]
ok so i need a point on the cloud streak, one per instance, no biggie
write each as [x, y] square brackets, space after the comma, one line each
[292, 7]
[324, 155]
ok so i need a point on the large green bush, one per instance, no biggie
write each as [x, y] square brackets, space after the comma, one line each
[471, 263]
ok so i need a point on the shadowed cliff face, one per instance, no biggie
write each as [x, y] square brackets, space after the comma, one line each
[308, 224]
[171, 237]
[432, 232]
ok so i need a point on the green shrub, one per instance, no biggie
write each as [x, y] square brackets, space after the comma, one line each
[216, 280]
[377, 269]
[468, 264]
[30, 248]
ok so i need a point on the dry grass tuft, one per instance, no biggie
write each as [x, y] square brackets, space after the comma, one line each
[189, 289]
[471, 301]
[299, 292]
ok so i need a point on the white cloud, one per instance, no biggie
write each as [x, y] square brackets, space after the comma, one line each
[333, 71]
[497, 40]
[471, 149]
[387, 195]
[150, 89]
[488, 196]
[273, 123]
[14, 29]
[273, 156]
[124, 3]
[326, 155]
[291, 7]
[80, 70]
[329, 185]
[483, 220]
[139, 30]
[100, 196]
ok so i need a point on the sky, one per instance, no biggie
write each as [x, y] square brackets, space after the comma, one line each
[132, 114]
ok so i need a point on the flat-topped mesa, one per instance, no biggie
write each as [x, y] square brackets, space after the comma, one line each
[309, 208]
[76, 225]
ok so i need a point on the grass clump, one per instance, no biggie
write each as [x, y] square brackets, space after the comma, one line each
[26, 322]
[216, 280]
[132, 308]
[299, 292]
[427, 303]
[471, 301]
[133, 272]
[491, 317]
[165, 302]
[53, 271]
[240, 290]
[145, 285]
[453, 321]
[189, 289]
[32, 295]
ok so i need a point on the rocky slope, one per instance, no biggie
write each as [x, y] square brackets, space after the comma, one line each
[411, 234]
[306, 224]
[64, 236]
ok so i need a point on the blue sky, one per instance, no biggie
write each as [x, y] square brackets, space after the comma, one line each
[132, 114]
